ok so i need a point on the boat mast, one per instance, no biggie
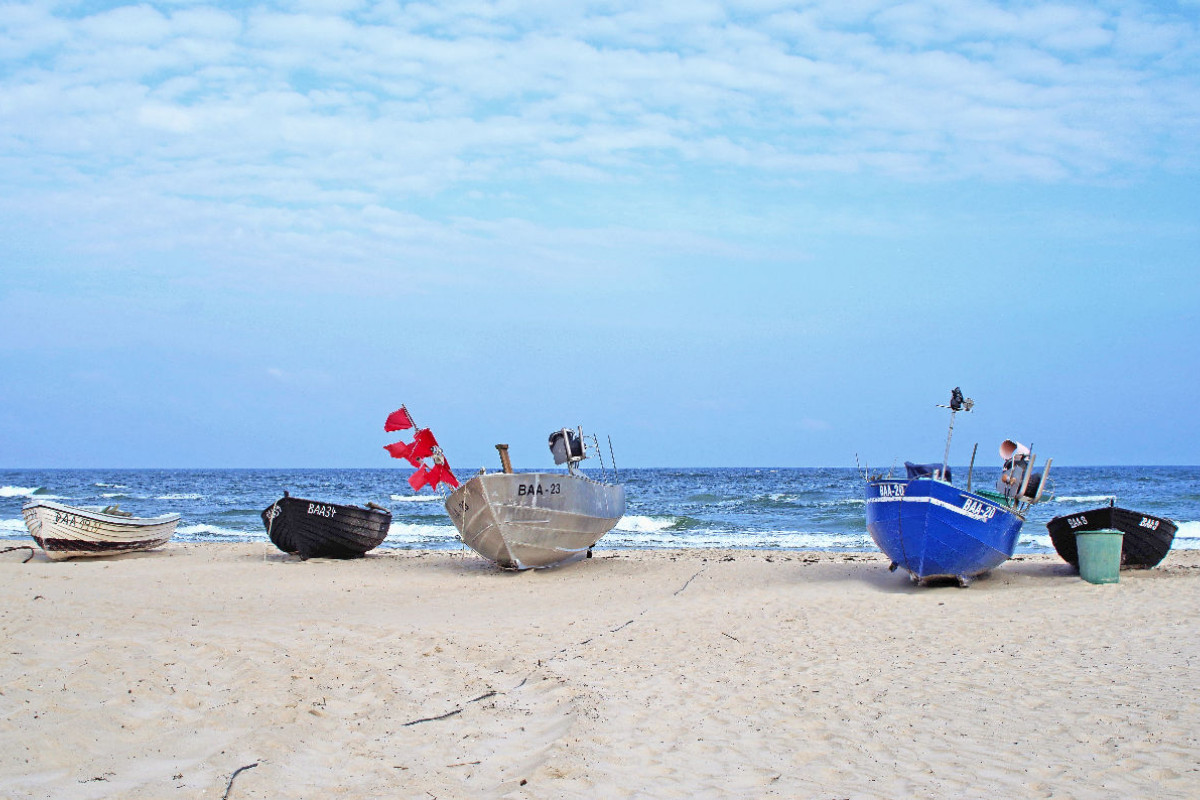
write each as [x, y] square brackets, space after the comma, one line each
[957, 403]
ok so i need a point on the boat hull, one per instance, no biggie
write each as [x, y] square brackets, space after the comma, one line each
[1146, 542]
[314, 529]
[534, 519]
[69, 532]
[934, 530]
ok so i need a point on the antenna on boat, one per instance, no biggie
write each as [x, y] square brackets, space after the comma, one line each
[971, 469]
[600, 455]
[613, 457]
[1042, 483]
[957, 403]
[1027, 474]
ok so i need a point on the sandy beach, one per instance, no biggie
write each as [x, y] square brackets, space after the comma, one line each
[693, 673]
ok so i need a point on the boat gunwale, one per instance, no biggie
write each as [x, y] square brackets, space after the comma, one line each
[115, 519]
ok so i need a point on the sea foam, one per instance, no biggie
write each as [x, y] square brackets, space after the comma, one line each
[1187, 537]
[1085, 498]
[633, 523]
[19, 491]
[416, 498]
[723, 538]
[408, 533]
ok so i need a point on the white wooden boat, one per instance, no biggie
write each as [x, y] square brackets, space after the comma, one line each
[536, 519]
[67, 531]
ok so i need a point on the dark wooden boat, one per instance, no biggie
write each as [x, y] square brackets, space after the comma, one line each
[1147, 538]
[313, 529]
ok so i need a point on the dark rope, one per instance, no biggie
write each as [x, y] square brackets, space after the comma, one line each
[433, 719]
[685, 585]
[236, 772]
[32, 552]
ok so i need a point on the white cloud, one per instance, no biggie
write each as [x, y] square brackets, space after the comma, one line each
[127, 24]
[205, 22]
[28, 29]
[334, 107]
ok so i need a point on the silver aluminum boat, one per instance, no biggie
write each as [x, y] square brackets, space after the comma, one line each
[536, 519]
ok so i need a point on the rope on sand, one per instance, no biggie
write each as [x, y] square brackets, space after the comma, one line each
[236, 772]
[21, 547]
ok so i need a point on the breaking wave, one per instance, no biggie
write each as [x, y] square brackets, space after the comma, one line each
[1187, 537]
[416, 498]
[720, 538]
[19, 491]
[634, 523]
[11, 526]
[407, 534]
[1085, 498]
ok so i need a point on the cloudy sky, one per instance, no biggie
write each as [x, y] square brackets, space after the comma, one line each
[747, 233]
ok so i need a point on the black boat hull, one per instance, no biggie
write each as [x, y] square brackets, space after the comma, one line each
[1147, 538]
[312, 529]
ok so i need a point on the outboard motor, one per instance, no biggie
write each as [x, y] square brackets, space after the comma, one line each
[567, 446]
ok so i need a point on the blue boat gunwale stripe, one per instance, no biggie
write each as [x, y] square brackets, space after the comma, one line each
[942, 503]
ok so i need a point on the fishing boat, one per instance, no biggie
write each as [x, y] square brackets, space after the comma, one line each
[1146, 542]
[537, 519]
[935, 530]
[68, 532]
[316, 529]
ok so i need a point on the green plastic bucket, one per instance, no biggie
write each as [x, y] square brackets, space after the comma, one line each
[1099, 555]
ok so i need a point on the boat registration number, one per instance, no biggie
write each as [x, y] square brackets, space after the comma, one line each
[321, 510]
[1146, 522]
[892, 489]
[980, 511]
[1076, 522]
[536, 488]
[76, 521]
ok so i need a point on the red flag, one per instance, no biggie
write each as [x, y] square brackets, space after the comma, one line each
[402, 450]
[397, 449]
[420, 478]
[398, 420]
[423, 444]
[440, 473]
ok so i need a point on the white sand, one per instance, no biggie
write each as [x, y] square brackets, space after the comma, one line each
[651, 674]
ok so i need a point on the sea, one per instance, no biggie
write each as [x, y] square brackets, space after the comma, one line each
[745, 508]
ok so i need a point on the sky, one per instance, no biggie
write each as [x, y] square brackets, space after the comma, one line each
[747, 233]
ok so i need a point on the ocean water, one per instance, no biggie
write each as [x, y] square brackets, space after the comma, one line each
[789, 509]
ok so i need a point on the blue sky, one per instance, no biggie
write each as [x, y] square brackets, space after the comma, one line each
[744, 233]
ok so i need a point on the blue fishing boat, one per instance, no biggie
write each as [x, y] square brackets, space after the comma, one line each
[935, 530]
